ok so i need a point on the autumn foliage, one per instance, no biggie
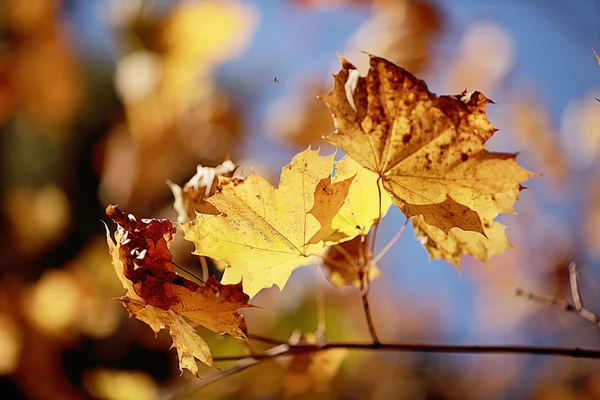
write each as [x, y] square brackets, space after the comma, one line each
[403, 144]
[282, 222]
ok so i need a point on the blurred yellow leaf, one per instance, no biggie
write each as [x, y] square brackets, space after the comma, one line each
[533, 130]
[313, 371]
[48, 312]
[120, 385]
[11, 342]
[485, 56]
[201, 34]
[401, 31]
[38, 217]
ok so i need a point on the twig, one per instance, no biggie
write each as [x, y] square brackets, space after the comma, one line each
[376, 224]
[246, 362]
[390, 243]
[578, 308]
[576, 352]
[188, 271]
[575, 286]
[320, 300]
[274, 342]
[365, 303]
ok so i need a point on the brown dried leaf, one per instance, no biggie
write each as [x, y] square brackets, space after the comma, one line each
[161, 298]
[427, 150]
[190, 198]
[343, 262]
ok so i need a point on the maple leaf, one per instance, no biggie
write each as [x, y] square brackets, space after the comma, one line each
[159, 297]
[192, 196]
[343, 262]
[456, 243]
[361, 209]
[312, 371]
[427, 150]
[264, 232]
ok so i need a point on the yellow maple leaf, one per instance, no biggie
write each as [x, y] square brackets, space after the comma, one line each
[456, 243]
[312, 371]
[264, 232]
[159, 297]
[345, 262]
[187, 342]
[427, 150]
[361, 208]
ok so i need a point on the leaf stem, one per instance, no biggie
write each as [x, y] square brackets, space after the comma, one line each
[376, 223]
[188, 272]
[390, 243]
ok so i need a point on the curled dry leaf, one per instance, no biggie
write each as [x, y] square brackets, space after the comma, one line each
[344, 262]
[192, 196]
[264, 232]
[427, 149]
[159, 297]
[312, 371]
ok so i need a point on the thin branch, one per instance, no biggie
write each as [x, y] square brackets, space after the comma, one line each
[274, 342]
[543, 299]
[320, 300]
[564, 305]
[390, 243]
[365, 304]
[376, 224]
[246, 362]
[575, 352]
[188, 272]
[575, 286]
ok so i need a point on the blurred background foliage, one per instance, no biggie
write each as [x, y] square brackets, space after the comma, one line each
[103, 101]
